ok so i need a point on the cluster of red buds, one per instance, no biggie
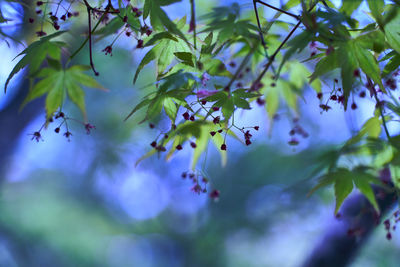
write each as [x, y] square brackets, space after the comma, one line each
[391, 226]
[297, 130]
[54, 18]
[159, 145]
[200, 184]
[337, 95]
[37, 136]
[313, 48]
[391, 83]
[144, 30]
[188, 116]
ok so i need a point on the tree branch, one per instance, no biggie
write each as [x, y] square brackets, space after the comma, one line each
[344, 239]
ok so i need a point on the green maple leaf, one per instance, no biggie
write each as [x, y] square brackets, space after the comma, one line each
[159, 19]
[344, 181]
[163, 53]
[57, 83]
[36, 53]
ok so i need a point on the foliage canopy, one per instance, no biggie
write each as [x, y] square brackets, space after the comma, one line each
[199, 86]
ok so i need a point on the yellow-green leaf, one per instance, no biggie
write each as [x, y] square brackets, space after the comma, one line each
[371, 128]
[55, 96]
[368, 64]
[77, 95]
[170, 108]
[376, 7]
[392, 33]
[348, 6]
[363, 184]
[343, 187]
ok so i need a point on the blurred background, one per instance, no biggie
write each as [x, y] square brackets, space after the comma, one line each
[84, 203]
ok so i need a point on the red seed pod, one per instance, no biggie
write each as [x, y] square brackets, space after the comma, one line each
[186, 116]
[389, 236]
[139, 44]
[214, 194]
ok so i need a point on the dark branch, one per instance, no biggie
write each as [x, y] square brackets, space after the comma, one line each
[193, 21]
[343, 240]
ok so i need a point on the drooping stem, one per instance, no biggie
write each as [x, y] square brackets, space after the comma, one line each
[87, 39]
[90, 42]
[91, 31]
[193, 21]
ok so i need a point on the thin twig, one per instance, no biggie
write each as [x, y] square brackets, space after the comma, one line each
[378, 103]
[259, 25]
[272, 58]
[278, 9]
[240, 68]
[260, 31]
